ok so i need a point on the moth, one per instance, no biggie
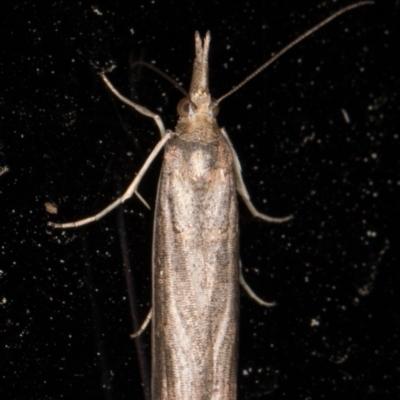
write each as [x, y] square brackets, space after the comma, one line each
[195, 261]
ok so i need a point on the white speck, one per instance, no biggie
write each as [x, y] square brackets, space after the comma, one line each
[50, 207]
[97, 11]
[308, 139]
[315, 322]
[345, 115]
[3, 170]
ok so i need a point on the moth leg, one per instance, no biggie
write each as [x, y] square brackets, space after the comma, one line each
[241, 188]
[140, 109]
[142, 199]
[129, 192]
[250, 292]
[144, 325]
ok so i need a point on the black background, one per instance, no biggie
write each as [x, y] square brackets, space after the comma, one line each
[333, 270]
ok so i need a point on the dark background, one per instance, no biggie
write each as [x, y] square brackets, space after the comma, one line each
[333, 270]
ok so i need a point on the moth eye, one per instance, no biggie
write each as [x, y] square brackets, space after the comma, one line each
[183, 107]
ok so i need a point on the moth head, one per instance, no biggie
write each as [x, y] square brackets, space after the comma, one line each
[185, 106]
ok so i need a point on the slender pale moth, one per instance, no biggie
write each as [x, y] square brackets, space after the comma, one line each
[195, 262]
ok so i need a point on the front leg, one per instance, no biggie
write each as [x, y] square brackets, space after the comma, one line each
[241, 188]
